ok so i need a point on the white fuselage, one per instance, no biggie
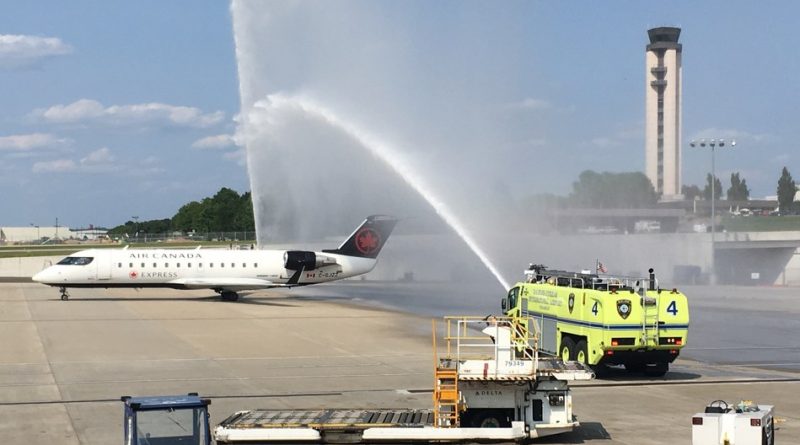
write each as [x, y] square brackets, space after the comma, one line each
[195, 269]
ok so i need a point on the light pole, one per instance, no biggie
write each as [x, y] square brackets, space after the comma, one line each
[713, 144]
[38, 238]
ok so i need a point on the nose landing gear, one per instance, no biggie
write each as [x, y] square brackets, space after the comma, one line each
[64, 293]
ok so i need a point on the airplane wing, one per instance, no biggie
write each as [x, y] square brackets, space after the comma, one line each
[231, 284]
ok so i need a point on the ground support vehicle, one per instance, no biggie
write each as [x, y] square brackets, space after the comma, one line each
[743, 424]
[166, 420]
[485, 389]
[603, 320]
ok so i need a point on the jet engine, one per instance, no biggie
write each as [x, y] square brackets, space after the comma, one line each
[300, 259]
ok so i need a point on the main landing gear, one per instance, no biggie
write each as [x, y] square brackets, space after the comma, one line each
[64, 293]
[228, 295]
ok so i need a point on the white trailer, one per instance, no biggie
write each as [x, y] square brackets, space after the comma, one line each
[743, 424]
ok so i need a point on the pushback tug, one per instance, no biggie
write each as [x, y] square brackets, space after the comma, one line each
[489, 385]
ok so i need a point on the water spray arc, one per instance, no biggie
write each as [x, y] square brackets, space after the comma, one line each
[388, 155]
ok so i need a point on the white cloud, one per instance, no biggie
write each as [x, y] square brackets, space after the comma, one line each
[216, 141]
[101, 156]
[56, 166]
[238, 156]
[604, 142]
[20, 51]
[623, 136]
[25, 142]
[730, 134]
[98, 161]
[531, 104]
[79, 110]
[85, 111]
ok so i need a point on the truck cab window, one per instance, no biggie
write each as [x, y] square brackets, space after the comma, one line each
[512, 297]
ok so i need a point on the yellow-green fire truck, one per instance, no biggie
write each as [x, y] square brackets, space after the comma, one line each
[600, 320]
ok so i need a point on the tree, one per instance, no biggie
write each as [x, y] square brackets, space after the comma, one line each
[786, 191]
[738, 190]
[189, 218]
[717, 188]
[226, 211]
[613, 190]
[691, 191]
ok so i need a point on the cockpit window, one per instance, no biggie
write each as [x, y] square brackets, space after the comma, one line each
[76, 261]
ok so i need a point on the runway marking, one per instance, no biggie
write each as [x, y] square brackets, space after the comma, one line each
[220, 359]
[219, 396]
[416, 391]
[756, 365]
[736, 348]
[685, 382]
[213, 379]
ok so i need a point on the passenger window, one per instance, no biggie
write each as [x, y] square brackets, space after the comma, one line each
[130, 265]
[119, 265]
[178, 265]
[166, 264]
[210, 264]
[244, 264]
[221, 264]
[233, 264]
[199, 264]
[142, 265]
[189, 265]
[255, 264]
[155, 265]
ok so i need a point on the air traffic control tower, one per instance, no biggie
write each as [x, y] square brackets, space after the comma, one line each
[663, 112]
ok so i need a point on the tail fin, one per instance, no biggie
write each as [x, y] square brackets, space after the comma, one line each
[368, 238]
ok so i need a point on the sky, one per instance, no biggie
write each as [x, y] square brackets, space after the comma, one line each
[116, 109]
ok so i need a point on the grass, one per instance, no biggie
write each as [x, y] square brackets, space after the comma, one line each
[761, 223]
[16, 251]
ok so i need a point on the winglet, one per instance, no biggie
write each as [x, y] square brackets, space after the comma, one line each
[368, 239]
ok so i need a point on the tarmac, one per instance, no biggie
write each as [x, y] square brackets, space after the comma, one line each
[65, 364]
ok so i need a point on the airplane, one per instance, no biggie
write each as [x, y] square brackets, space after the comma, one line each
[225, 271]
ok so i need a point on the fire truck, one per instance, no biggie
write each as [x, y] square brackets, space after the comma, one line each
[602, 320]
[485, 389]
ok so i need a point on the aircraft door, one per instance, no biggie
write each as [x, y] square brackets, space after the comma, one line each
[103, 267]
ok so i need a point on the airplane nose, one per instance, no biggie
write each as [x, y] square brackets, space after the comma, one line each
[42, 277]
[38, 277]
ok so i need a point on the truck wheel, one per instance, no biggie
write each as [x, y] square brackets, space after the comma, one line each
[489, 419]
[582, 355]
[768, 439]
[567, 349]
[581, 352]
[656, 370]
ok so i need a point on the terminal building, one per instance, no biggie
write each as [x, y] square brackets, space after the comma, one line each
[663, 112]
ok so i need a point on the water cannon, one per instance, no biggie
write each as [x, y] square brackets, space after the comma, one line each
[533, 271]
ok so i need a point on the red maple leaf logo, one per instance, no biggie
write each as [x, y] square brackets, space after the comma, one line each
[367, 241]
[133, 274]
